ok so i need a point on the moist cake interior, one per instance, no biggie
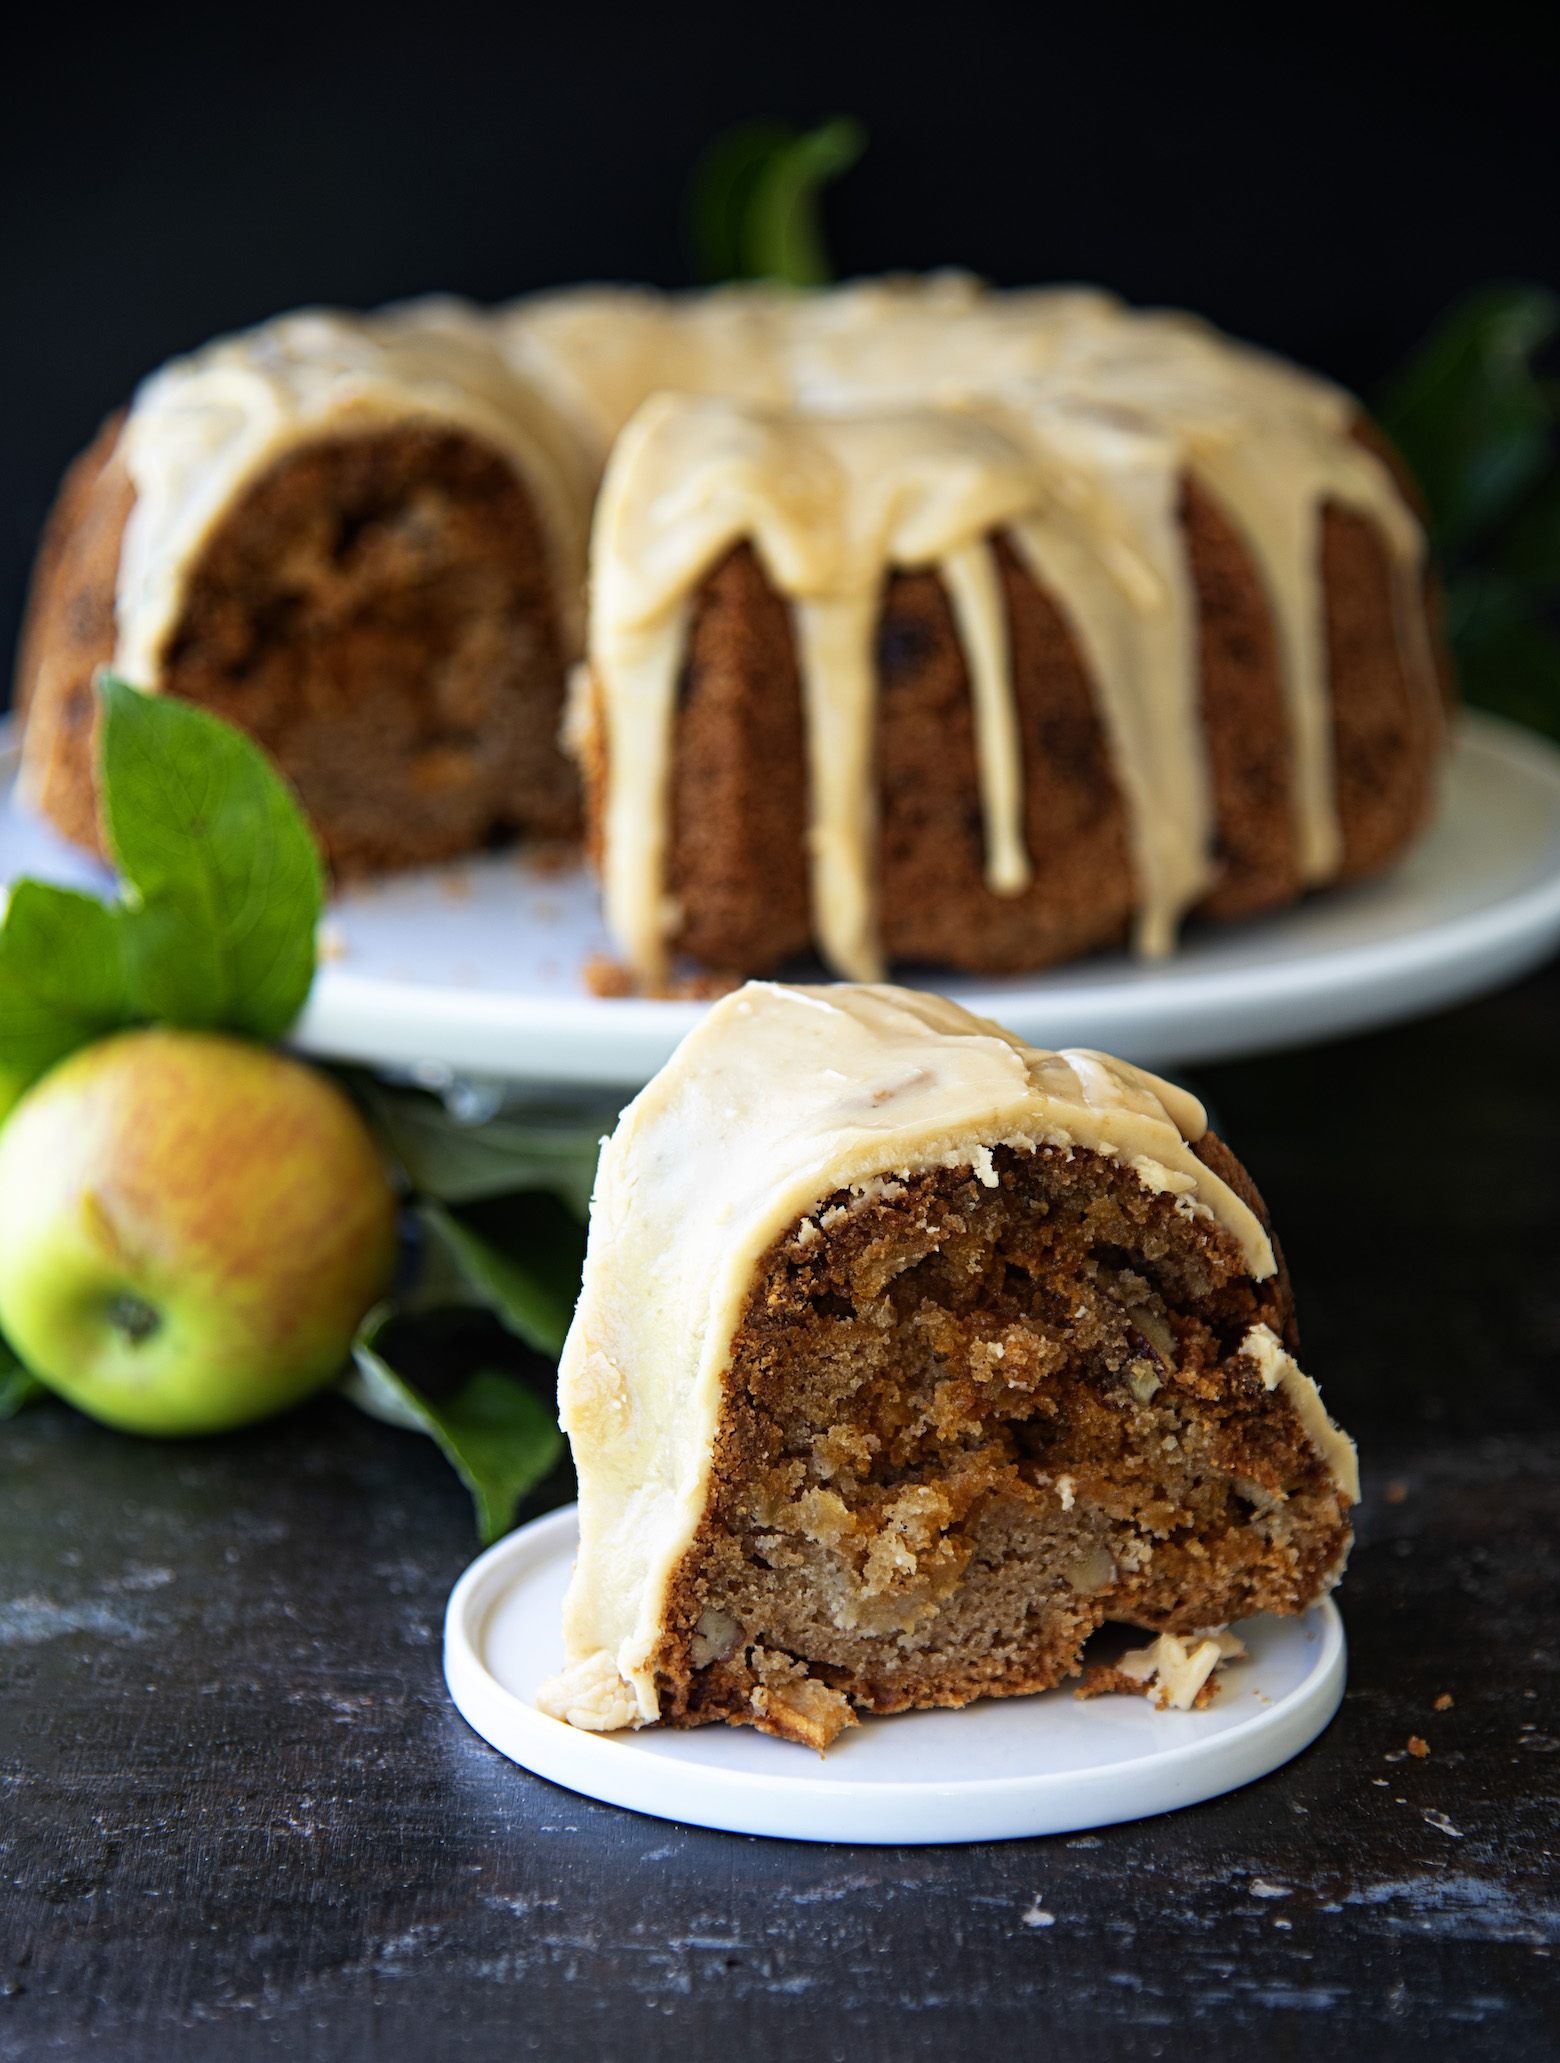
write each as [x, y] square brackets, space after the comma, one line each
[377, 611]
[965, 1423]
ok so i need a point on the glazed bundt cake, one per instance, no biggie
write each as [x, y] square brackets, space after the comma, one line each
[926, 623]
[906, 1356]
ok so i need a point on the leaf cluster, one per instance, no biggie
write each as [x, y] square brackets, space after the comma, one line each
[753, 203]
[1477, 418]
[18, 1385]
[495, 1224]
[220, 887]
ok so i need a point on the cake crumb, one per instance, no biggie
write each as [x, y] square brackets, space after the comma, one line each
[590, 1695]
[1418, 1747]
[607, 977]
[1444, 1702]
[549, 857]
[803, 1710]
[703, 986]
[1179, 1674]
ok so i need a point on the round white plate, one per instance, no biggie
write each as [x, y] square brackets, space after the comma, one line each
[477, 966]
[995, 1771]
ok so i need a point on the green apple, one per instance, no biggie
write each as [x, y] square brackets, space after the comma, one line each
[191, 1227]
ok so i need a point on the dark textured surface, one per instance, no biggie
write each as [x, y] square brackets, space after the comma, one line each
[241, 1818]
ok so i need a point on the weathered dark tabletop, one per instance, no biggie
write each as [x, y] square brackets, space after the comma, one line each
[242, 1818]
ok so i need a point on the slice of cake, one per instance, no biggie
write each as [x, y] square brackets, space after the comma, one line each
[908, 1354]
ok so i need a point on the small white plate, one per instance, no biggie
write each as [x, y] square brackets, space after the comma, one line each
[994, 1771]
[478, 966]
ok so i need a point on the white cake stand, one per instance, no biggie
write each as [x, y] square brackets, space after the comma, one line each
[995, 1771]
[477, 967]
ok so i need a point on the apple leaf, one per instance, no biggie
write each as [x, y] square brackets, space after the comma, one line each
[783, 236]
[222, 891]
[224, 878]
[543, 1145]
[520, 1296]
[1478, 421]
[63, 979]
[530, 1284]
[753, 200]
[498, 1436]
[1469, 413]
[18, 1385]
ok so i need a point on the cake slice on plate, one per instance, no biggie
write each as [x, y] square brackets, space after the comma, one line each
[907, 1354]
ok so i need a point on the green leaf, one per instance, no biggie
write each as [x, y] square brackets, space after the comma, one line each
[63, 980]
[1474, 423]
[782, 234]
[500, 1439]
[225, 879]
[542, 1148]
[18, 1385]
[1527, 551]
[753, 201]
[1508, 656]
[522, 1297]
[721, 193]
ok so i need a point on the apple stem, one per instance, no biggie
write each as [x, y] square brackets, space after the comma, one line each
[134, 1317]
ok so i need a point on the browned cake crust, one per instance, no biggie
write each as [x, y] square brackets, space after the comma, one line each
[739, 759]
[963, 1426]
[377, 611]
[1388, 722]
[934, 902]
[68, 633]
[737, 864]
[1244, 721]
[1367, 431]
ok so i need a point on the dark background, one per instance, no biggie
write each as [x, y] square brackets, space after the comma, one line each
[1323, 180]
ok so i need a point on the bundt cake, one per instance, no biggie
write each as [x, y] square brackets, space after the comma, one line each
[926, 623]
[906, 1356]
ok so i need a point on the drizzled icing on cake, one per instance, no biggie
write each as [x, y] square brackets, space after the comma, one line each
[899, 425]
[828, 503]
[887, 425]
